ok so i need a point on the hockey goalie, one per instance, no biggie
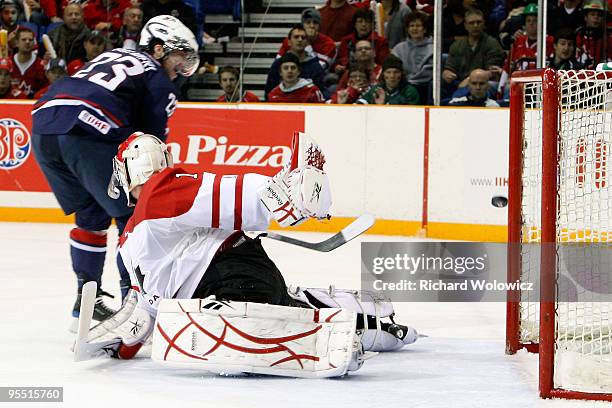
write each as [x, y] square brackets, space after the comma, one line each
[209, 294]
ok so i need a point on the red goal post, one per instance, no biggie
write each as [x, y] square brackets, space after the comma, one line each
[559, 198]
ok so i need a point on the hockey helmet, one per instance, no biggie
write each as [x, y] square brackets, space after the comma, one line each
[175, 37]
[139, 157]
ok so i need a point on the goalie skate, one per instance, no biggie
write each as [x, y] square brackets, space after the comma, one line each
[242, 337]
[376, 325]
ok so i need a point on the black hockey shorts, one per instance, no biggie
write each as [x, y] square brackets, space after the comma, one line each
[244, 273]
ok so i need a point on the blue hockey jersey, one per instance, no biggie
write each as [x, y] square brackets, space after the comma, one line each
[117, 93]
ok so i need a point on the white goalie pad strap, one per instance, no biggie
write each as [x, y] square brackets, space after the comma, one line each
[368, 303]
[244, 337]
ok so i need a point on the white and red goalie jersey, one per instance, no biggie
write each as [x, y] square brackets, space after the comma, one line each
[180, 222]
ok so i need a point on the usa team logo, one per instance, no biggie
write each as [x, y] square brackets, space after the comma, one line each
[15, 143]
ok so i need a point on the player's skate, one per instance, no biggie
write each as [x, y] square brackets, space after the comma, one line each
[100, 312]
[301, 189]
[375, 323]
[242, 337]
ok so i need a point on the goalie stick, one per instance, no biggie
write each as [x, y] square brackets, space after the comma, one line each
[84, 350]
[353, 230]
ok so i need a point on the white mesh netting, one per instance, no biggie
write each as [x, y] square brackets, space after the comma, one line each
[531, 202]
[583, 359]
[583, 345]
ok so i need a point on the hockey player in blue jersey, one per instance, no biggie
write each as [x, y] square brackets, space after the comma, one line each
[81, 120]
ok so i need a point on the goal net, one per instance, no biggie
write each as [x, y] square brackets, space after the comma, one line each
[560, 228]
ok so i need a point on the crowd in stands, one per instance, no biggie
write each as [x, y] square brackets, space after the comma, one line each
[343, 52]
[78, 32]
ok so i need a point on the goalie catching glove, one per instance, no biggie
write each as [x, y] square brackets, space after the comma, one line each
[301, 189]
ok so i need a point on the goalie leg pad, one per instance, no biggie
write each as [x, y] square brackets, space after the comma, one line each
[376, 326]
[244, 337]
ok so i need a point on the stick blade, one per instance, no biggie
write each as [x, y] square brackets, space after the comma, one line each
[358, 227]
[353, 230]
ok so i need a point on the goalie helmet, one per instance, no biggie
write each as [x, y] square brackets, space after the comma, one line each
[175, 37]
[137, 160]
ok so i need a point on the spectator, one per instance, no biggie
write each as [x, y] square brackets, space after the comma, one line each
[104, 15]
[512, 26]
[566, 15]
[43, 12]
[337, 19]
[293, 88]
[10, 14]
[363, 29]
[95, 44]
[321, 45]
[129, 34]
[452, 21]
[478, 87]
[416, 54]
[28, 71]
[54, 70]
[590, 43]
[393, 89]
[395, 15]
[7, 91]
[358, 82]
[68, 38]
[229, 78]
[523, 52]
[174, 8]
[565, 51]
[478, 50]
[364, 57]
[309, 63]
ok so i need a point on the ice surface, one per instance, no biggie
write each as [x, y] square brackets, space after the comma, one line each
[461, 364]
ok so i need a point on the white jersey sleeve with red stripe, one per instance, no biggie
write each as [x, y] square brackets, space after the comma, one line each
[180, 221]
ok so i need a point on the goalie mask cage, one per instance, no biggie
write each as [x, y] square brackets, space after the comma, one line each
[560, 219]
